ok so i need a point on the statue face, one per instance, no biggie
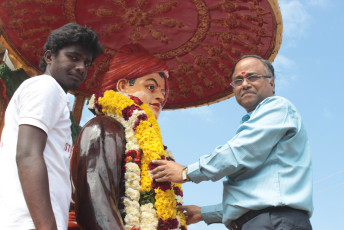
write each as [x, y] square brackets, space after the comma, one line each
[150, 89]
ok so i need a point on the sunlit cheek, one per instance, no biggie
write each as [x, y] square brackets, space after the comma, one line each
[147, 98]
[236, 92]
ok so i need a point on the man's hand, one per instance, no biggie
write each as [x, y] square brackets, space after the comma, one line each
[168, 171]
[192, 213]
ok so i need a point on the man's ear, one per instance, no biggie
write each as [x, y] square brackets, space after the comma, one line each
[122, 85]
[48, 56]
[272, 83]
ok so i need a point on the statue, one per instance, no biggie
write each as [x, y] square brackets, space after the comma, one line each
[112, 156]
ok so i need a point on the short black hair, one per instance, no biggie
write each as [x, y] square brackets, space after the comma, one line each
[268, 66]
[70, 34]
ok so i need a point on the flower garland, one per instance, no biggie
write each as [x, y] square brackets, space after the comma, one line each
[148, 204]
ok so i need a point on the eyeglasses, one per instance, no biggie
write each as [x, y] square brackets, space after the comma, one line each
[250, 79]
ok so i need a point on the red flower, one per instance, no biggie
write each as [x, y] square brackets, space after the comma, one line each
[96, 96]
[133, 154]
[136, 100]
[169, 159]
[138, 154]
[128, 111]
[168, 224]
[137, 122]
[152, 166]
[161, 185]
[177, 191]
[128, 159]
[141, 117]
[99, 94]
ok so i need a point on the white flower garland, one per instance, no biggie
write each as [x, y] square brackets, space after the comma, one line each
[144, 217]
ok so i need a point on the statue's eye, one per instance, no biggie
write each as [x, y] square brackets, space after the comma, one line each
[151, 87]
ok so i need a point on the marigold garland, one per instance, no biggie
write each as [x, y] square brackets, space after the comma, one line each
[148, 204]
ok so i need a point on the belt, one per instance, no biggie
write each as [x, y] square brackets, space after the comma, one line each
[238, 223]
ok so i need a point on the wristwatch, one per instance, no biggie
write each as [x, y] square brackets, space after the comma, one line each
[185, 175]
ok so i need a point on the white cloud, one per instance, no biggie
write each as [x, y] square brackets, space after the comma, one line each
[282, 62]
[285, 71]
[321, 3]
[295, 20]
[204, 113]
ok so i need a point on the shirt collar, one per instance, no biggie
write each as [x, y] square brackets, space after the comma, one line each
[246, 117]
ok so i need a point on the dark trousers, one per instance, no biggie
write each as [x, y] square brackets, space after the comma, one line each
[279, 219]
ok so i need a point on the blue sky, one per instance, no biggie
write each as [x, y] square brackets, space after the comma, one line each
[308, 73]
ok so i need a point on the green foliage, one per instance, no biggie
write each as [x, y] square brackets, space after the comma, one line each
[147, 197]
[12, 79]
[75, 128]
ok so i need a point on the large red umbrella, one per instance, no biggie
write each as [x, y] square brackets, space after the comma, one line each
[199, 39]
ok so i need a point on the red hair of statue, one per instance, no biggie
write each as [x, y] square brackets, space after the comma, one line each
[133, 61]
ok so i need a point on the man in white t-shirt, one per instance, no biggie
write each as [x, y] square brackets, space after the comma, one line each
[36, 140]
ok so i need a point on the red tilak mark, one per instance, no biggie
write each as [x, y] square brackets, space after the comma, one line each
[243, 72]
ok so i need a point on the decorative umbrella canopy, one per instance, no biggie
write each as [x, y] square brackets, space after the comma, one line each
[199, 39]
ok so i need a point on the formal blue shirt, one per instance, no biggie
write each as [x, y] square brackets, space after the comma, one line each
[267, 163]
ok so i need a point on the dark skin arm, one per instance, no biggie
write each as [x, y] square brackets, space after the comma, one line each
[33, 176]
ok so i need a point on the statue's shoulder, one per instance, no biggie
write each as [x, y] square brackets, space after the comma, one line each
[101, 120]
[101, 124]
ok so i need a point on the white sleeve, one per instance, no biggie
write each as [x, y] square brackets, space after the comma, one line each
[41, 104]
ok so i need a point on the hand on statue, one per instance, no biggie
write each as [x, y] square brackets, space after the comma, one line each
[192, 213]
[167, 171]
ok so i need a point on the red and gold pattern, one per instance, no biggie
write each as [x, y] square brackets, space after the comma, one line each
[198, 39]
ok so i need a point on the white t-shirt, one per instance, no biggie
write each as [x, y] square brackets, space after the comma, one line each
[39, 101]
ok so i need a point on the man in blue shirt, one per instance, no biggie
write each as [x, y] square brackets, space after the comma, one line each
[266, 165]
